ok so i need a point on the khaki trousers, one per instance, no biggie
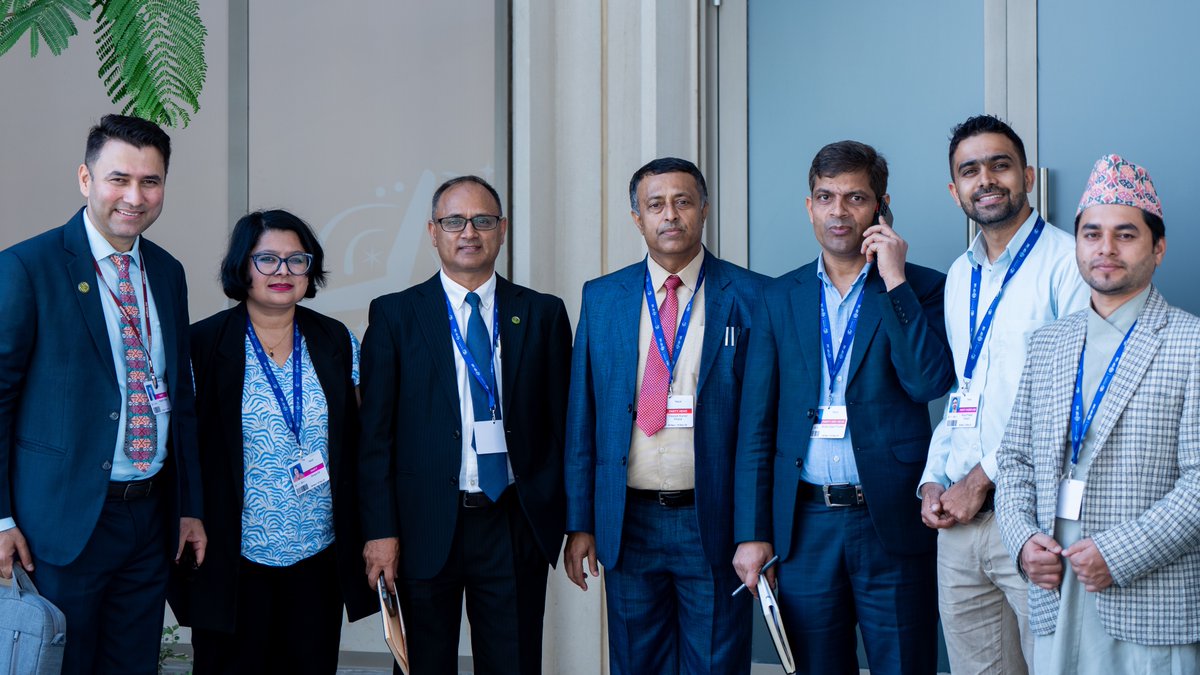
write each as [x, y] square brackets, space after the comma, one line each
[983, 601]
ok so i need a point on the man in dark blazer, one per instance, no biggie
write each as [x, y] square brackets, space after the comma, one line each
[99, 485]
[846, 353]
[649, 471]
[464, 385]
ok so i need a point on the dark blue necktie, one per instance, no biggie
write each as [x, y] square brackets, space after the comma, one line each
[493, 467]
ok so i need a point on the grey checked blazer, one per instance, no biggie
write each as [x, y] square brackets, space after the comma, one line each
[1141, 504]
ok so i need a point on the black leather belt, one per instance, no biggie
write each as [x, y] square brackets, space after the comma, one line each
[671, 498]
[124, 491]
[474, 500]
[836, 494]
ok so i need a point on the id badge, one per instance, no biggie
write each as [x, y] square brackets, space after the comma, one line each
[489, 437]
[160, 401]
[1070, 499]
[830, 423]
[963, 411]
[309, 472]
[681, 413]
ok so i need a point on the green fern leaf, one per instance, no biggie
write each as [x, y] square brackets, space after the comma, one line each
[152, 56]
[46, 21]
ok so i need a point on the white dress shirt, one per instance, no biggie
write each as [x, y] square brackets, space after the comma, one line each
[468, 473]
[1047, 287]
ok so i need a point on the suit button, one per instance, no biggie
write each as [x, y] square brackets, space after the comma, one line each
[457, 434]
[454, 480]
[798, 463]
[114, 415]
[812, 414]
[106, 465]
[622, 461]
[629, 408]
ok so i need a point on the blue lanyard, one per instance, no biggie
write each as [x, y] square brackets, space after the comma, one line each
[669, 359]
[835, 363]
[979, 336]
[291, 415]
[1079, 423]
[470, 360]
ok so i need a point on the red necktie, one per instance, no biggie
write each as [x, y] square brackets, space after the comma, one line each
[652, 399]
[141, 426]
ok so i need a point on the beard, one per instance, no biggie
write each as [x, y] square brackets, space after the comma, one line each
[1000, 212]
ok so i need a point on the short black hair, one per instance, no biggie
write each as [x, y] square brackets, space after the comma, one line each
[235, 267]
[984, 124]
[842, 157]
[1158, 229]
[656, 167]
[135, 131]
[437, 194]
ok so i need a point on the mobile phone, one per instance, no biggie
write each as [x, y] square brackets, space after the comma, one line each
[881, 209]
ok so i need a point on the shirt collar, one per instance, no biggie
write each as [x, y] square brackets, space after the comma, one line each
[977, 254]
[101, 249]
[1123, 317]
[689, 275]
[827, 282]
[458, 295]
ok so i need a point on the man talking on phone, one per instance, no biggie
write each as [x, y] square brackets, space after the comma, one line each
[846, 353]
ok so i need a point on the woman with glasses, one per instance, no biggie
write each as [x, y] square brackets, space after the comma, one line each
[276, 398]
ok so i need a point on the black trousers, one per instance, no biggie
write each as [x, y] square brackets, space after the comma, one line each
[114, 594]
[494, 559]
[289, 620]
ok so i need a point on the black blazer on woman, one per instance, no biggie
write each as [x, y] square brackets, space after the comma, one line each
[208, 599]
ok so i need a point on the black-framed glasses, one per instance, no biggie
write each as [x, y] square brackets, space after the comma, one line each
[269, 263]
[458, 223]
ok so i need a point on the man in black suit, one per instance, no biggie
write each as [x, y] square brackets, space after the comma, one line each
[464, 388]
[99, 473]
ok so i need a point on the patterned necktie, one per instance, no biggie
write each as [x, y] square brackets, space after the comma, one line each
[493, 467]
[141, 426]
[652, 399]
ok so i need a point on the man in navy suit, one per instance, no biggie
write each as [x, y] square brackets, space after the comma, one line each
[847, 351]
[99, 483]
[464, 386]
[652, 422]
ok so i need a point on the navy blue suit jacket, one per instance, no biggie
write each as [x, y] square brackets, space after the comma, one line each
[899, 362]
[604, 399]
[59, 398]
[411, 448]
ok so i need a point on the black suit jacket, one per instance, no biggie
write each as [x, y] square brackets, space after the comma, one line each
[209, 599]
[59, 398]
[412, 436]
[899, 362]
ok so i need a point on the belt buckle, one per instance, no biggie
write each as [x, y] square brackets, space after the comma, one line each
[667, 497]
[829, 503]
[141, 488]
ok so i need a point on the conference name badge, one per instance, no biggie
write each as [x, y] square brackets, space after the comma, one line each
[160, 401]
[489, 437]
[1070, 499]
[681, 413]
[964, 411]
[830, 423]
[309, 472]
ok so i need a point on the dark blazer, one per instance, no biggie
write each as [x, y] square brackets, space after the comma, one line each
[59, 398]
[209, 599]
[899, 362]
[412, 436]
[604, 398]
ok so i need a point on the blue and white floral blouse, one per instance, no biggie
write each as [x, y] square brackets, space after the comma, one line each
[279, 527]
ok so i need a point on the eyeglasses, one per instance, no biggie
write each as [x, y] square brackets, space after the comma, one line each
[269, 263]
[458, 223]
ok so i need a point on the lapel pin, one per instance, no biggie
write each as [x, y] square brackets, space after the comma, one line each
[84, 287]
[516, 320]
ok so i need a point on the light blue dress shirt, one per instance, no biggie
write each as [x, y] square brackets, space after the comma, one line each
[831, 460]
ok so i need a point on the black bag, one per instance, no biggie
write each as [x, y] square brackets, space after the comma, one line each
[33, 632]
